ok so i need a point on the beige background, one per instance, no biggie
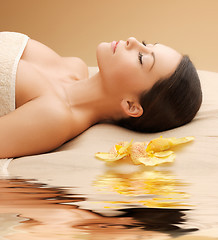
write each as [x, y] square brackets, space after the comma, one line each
[75, 27]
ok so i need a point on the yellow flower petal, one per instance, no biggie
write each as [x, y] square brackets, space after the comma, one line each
[153, 155]
[118, 152]
[163, 154]
[176, 141]
[152, 160]
[161, 144]
[123, 147]
[109, 157]
[137, 150]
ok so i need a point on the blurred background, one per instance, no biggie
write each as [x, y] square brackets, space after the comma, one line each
[76, 27]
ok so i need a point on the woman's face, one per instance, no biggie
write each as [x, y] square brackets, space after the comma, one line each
[131, 67]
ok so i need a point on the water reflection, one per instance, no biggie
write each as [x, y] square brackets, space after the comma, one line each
[38, 211]
[153, 189]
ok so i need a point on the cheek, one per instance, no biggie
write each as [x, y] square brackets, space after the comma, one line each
[124, 69]
[119, 74]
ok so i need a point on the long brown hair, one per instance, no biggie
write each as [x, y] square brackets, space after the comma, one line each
[170, 102]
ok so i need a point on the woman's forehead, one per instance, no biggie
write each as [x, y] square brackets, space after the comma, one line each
[166, 60]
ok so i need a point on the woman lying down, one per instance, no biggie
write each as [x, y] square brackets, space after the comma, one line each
[46, 99]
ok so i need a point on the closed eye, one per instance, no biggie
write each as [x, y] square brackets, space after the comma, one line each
[140, 54]
[140, 58]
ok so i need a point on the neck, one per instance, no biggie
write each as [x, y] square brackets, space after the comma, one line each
[89, 97]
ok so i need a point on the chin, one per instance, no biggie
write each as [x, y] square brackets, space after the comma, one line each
[102, 54]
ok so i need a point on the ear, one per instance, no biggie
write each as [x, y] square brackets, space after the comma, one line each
[131, 108]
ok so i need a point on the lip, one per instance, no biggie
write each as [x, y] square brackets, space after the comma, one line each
[114, 45]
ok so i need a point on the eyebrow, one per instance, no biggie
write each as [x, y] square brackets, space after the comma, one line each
[154, 59]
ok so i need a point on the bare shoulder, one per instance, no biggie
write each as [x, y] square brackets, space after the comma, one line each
[38, 126]
[78, 66]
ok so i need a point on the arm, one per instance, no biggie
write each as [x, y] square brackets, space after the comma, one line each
[36, 127]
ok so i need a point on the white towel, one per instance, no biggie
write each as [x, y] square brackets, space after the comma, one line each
[4, 163]
[12, 46]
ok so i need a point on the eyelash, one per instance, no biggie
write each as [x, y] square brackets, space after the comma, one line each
[143, 42]
[140, 54]
[140, 58]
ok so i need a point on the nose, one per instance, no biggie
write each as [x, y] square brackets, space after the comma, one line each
[131, 42]
[134, 43]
